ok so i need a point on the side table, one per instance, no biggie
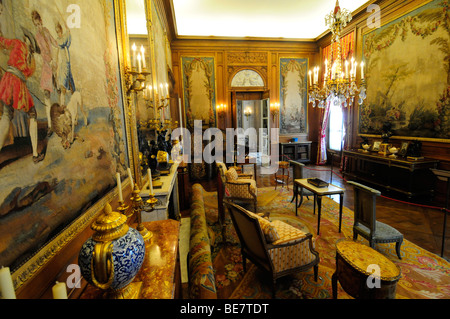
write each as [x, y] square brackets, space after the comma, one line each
[354, 264]
[284, 177]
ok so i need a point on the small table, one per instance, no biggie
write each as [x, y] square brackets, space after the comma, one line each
[355, 265]
[318, 193]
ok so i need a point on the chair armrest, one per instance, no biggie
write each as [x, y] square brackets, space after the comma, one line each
[245, 176]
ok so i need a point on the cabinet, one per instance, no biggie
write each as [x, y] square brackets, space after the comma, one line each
[296, 151]
[411, 178]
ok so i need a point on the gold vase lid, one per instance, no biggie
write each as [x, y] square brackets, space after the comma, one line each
[109, 225]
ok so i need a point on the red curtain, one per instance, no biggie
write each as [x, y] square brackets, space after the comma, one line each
[347, 44]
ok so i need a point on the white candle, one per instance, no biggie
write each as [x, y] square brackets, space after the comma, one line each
[150, 183]
[59, 291]
[134, 55]
[6, 284]
[139, 63]
[167, 90]
[119, 186]
[310, 80]
[131, 178]
[181, 114]
[143, 57]
[362, 70]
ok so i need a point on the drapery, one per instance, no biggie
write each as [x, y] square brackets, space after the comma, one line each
[330, 53]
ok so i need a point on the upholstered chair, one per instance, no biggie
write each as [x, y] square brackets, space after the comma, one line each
[239, 189]
[297, 173]
[273, 246]
[365, 223]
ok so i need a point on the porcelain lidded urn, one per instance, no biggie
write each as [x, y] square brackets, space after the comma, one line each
[112, 257]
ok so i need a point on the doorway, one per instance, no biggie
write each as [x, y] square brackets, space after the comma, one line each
[251, 112]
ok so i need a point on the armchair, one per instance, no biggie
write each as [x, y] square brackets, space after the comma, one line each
[237, 187]
[365, 223]
[275, 247]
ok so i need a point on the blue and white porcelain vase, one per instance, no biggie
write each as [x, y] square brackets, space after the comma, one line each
[112, 257]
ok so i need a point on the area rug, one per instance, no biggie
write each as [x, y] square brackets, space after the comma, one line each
[424, 275]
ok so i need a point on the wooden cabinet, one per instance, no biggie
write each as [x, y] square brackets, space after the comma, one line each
[409, 177]
[296, 151]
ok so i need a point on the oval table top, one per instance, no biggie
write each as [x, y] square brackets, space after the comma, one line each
[361, 256]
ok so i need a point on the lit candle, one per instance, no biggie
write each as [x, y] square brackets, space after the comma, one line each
[139, 63]
[134, 54]
[6, 284]
[362, 70]
[131, 178]
[310, 81]
[161, 91]
[150, 184]
[119, 186]
[59, 291]
[346, 69]
[143, 57]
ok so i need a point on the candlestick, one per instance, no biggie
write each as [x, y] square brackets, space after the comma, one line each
[150, 183]
[131, 178]
[6, 285]
[119, 186]
[59, 291]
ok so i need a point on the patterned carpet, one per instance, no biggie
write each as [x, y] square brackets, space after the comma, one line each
[424, 274]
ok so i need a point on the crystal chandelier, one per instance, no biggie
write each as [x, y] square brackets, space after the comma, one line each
[339, 84]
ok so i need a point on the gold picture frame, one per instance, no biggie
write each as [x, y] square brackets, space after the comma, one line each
[376, 146]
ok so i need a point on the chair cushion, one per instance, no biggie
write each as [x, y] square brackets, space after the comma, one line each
[383, 232]
[231, 174]
[268, 229]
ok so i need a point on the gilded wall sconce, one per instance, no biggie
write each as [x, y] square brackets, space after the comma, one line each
[221, 110]
[248, 112]
[274, 110]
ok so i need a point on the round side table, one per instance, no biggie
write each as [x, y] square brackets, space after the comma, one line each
[355, 265]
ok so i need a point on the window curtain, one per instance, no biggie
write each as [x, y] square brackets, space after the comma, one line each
[347, 44]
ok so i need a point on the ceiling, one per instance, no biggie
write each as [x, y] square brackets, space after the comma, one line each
[289, 19]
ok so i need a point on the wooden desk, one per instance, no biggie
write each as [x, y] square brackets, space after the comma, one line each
[411, 178]
[354, 264]
[160, 272]
[318, 193]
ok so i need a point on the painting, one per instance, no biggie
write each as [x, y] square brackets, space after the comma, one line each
[63, 133]
[293, 96]
[408, 75]
[199, 91]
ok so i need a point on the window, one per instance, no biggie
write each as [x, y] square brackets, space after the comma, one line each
[336, 127]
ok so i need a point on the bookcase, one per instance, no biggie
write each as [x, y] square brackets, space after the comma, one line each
[296, 151]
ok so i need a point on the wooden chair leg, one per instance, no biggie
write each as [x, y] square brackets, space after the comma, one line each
[397, 248]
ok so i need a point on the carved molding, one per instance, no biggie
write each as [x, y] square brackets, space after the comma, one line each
[247, 58]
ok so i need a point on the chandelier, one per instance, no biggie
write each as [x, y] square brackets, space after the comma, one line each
[339, 84]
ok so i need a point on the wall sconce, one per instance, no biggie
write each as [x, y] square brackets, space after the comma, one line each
[274, 110]
[248, 112]
[221, 110]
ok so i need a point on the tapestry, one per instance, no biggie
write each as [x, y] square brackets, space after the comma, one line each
[199, 91]
[408, 73]
[293, 96]
[62, 127]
